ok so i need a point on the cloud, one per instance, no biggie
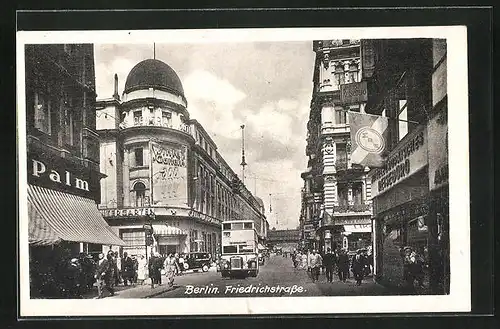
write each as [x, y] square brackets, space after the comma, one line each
[204, 85]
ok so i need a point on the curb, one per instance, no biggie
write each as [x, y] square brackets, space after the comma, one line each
[158, 293]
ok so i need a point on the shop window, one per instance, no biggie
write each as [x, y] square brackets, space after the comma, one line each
[139, 157]
[134, 241]
[42, 113]
[138, 118]
[403, 118]
[140, 194]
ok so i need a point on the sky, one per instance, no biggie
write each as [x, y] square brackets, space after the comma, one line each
[267, 86]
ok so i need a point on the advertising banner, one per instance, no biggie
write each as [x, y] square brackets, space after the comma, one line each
[169, 174]
[406, 159]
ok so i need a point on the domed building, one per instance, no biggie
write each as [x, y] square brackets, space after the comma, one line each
[163, 169]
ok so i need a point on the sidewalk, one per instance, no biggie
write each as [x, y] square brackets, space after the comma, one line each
[133, 291]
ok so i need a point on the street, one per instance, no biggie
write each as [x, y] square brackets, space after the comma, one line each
[277, 277]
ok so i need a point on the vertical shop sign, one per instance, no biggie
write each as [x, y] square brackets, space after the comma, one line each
[169, 174]
[438, 150]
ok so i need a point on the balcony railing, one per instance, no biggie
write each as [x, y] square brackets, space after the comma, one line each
[352, 208]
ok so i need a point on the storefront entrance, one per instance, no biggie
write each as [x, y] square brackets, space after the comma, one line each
[168, 249]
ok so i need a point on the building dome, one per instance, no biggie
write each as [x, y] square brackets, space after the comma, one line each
[153, 73]
[260, 202]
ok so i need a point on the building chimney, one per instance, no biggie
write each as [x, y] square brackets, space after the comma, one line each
[116, 95]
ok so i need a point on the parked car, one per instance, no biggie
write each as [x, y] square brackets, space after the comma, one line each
[197, 260]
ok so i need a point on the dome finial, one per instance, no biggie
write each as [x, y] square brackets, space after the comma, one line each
[115, 94]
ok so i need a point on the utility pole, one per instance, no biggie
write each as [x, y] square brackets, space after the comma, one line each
[243, 162]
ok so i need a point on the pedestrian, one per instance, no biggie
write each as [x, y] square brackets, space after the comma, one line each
[152, 269]
[412, 269]
[181, 263]
[171, 267]
[127, 269]
[329, 262]
[177, 268]
[118, 265]
[343, 265]
[315, 262]
[358, 267]
[135, 269]
[159, 260]
[142, 269]
[303, 260]
[106, 275]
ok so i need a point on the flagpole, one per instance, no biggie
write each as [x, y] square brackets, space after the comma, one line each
[375, 115]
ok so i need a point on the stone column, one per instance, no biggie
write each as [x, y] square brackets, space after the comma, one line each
[126, 178]
[368, 190]
[363, 190]
[346, 71]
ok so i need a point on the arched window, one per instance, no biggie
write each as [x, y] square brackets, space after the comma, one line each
[140, 194]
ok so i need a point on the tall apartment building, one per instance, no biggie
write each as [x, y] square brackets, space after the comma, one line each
[62, 161]
[336, 207]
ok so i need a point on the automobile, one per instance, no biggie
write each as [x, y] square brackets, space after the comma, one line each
[197, 260]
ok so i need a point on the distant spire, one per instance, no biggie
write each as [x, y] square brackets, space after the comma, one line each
[116, 95]
[154, 50]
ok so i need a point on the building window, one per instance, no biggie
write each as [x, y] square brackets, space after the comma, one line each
[139, 157]
[340, 116]
[138, 118]
[403, 118]
[357, 194]
[42, 113]
[166, 119]
[353, 76]
[140, 194]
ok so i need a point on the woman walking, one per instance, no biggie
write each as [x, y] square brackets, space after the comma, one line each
[142, 269]
[171, 267]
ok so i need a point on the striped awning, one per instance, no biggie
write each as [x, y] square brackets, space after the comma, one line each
[163, 229]
[56, 216]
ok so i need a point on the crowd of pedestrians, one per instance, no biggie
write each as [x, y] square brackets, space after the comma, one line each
[336, 261]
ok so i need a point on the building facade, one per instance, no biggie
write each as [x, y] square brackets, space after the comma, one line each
[62, 160]
[336, 206]
[407, 82]
[288, 240]
[163, 169]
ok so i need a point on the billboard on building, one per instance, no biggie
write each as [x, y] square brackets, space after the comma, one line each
[437, 131]
[169, 174]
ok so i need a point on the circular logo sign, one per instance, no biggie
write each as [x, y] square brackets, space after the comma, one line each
[370, 140]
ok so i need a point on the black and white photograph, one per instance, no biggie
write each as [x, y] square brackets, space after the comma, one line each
[246, 171]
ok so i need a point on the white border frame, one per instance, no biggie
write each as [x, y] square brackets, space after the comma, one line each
[459, 299]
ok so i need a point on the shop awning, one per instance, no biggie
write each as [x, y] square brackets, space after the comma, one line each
[55, 216]
[358, 228]
[163, 229]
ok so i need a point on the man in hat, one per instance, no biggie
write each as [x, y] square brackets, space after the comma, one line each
[329, 262]
[358, 267]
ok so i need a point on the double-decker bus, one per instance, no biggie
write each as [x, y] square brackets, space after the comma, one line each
[239, 254]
